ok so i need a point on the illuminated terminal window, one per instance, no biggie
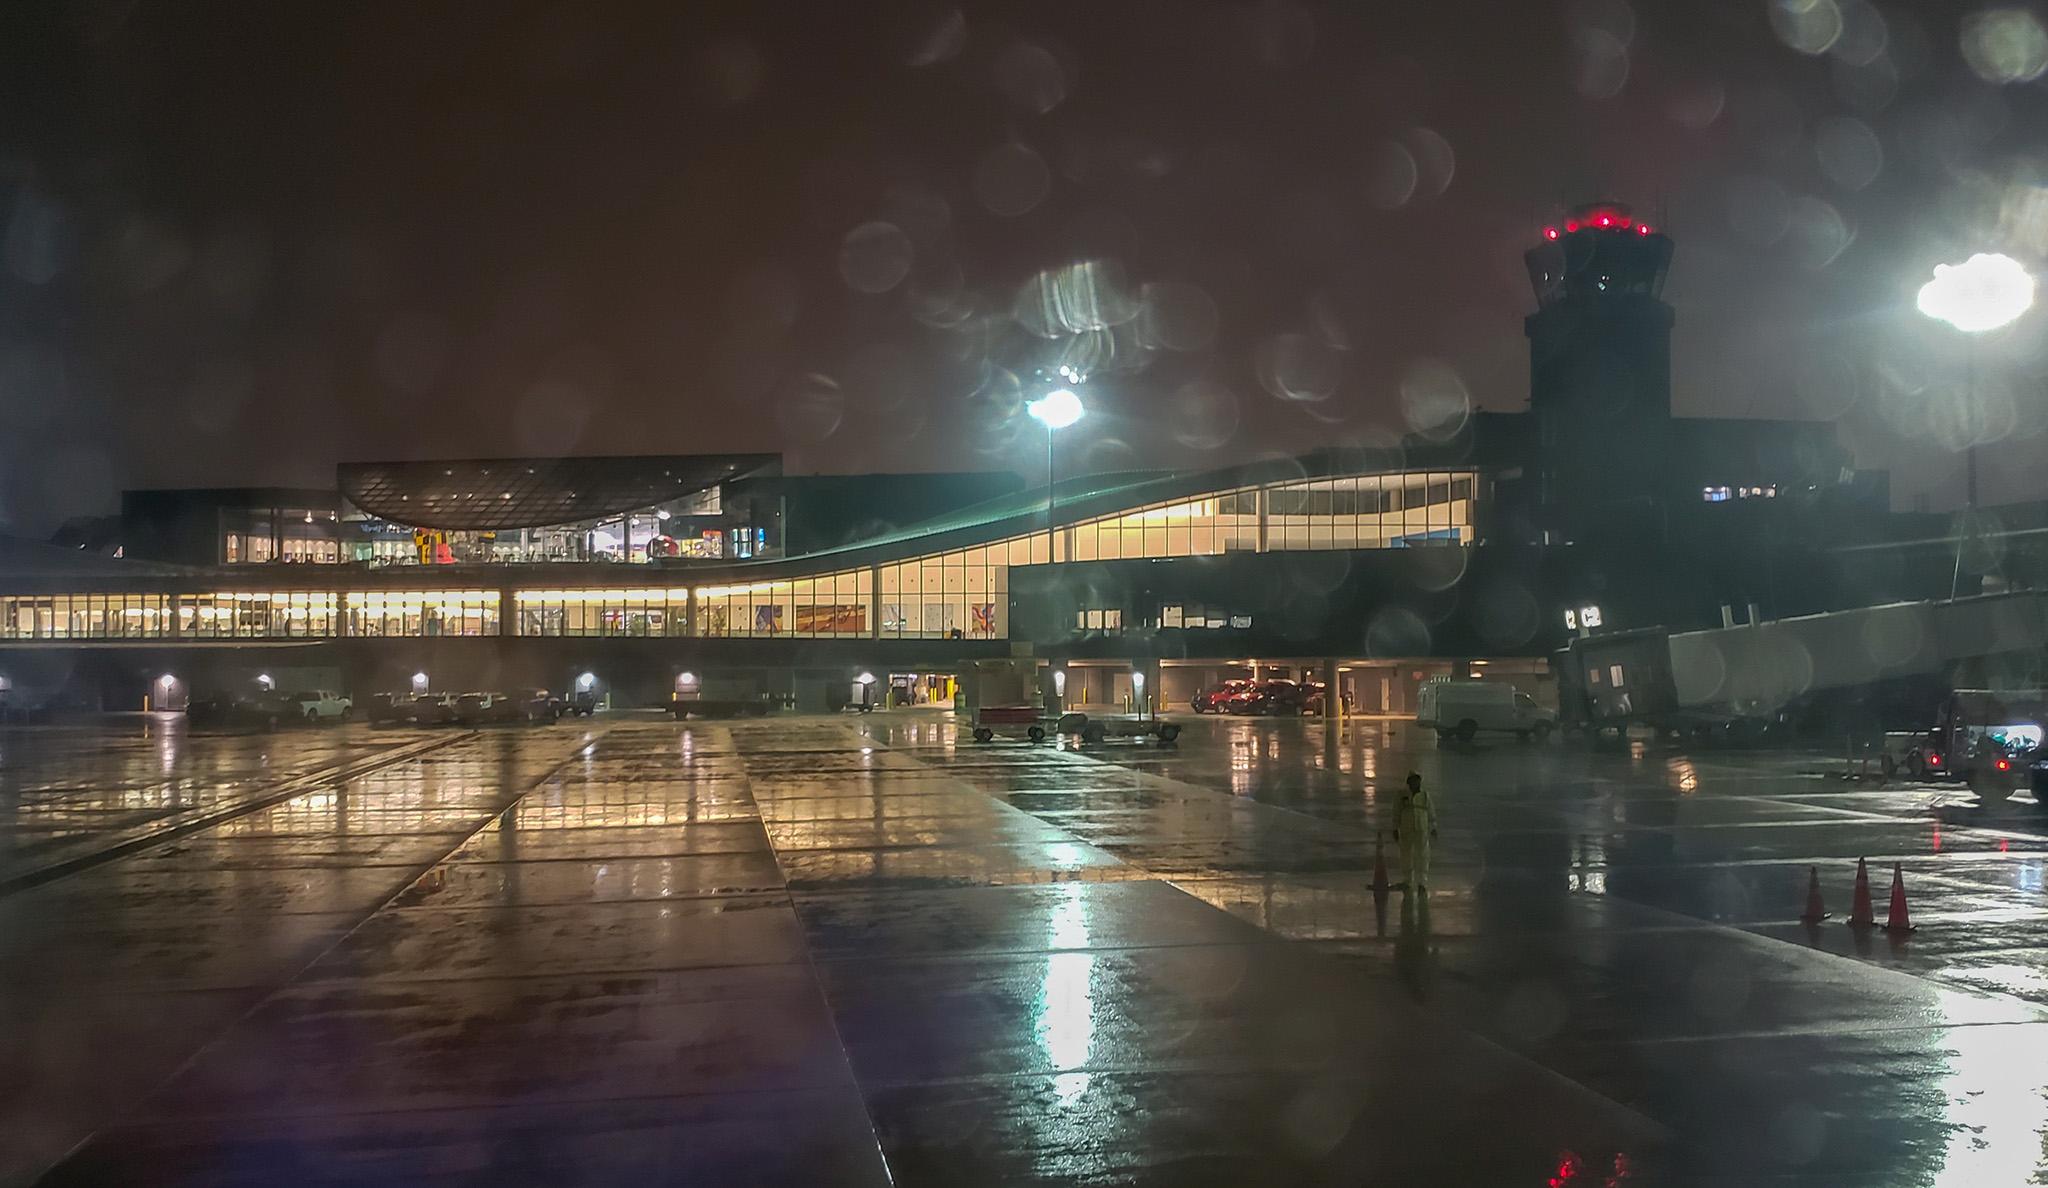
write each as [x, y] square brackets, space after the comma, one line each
[603, 612]
[423, 613]
[86, 616]
[833, 604]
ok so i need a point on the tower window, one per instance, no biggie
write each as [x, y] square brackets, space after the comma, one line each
[1714, 494]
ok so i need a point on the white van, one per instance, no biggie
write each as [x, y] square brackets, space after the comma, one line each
[1461, 709]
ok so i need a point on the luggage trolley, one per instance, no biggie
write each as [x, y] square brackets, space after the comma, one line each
[1037, 725]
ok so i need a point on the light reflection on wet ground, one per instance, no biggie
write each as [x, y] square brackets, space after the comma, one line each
[850, 950]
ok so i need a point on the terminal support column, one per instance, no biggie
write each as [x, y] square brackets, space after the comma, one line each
[1333, 715]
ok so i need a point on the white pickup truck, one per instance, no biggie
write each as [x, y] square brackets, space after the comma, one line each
[319, 704]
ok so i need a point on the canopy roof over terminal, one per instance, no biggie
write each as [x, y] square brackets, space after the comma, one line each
[507, 493]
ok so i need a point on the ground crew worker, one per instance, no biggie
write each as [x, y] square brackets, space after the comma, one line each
[1414, 829]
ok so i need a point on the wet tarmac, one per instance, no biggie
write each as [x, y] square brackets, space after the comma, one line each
[869, 950]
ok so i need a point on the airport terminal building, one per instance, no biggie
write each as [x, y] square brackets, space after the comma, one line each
[1477, 550]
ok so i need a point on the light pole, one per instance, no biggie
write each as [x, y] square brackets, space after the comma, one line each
[1055, 410]
[1986, 292]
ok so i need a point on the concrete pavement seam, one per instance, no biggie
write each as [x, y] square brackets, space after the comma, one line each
[283, 792]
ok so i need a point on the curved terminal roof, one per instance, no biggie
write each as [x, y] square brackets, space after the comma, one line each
[501, 493]
[1079, 500]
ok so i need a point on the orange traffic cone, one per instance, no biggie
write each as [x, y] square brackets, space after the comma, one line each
[1815, 913]
[1379, 864]
[1860, 914]
[1895, 920]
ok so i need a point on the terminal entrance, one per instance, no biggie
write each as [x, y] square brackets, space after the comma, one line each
[935, 690]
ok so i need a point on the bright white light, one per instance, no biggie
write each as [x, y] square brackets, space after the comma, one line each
[1057, 409]
[1982, 293]
[167, 680]
[419, 682]
[264, 680]
[688, 678]
[1059, 681]
[866, 678]
[586, 681]
[1138, 680]
[662, 514]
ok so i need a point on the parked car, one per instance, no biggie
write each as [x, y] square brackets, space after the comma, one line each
[388, 708]
[583, 704]
[1213, 699]
[1276, 697]
[1461, 709]
[532, 705]
[473, 709]
[430, 709]
[265, 711]
[320, 704]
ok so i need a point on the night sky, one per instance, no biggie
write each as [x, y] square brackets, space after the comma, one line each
[243, 242]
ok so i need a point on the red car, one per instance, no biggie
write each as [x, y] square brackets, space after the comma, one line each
[1276, 697]
[1216, 699]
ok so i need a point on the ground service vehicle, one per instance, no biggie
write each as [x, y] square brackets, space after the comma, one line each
[1989, 737]
[1037, 725]
[1460, 709]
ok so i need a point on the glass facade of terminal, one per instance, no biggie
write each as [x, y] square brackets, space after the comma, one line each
[959, 593]
[692, 528]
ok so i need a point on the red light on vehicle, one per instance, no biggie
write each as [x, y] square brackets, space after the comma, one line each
[1626, 221]
[1550, 233]
[1642, 228]
[1572, 226]
[2005, 765]
[1934, 761]
[1605, 221]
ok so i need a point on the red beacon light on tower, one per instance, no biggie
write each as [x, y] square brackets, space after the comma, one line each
[1599, 216]
[1600, 252]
